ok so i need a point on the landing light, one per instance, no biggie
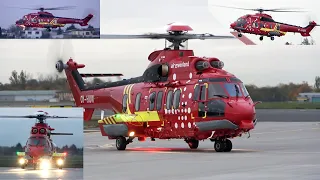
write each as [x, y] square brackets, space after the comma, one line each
[60, 162]
[45, 164]
[22, 161]
[131, 134]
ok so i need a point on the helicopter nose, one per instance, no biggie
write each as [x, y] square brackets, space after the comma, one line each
[242, 114]
[233, 25]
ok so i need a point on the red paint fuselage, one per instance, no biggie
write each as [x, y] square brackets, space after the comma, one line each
[47, 20]
[264, 25]
[184, 98]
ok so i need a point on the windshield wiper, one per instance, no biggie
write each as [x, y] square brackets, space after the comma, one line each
[222, 96]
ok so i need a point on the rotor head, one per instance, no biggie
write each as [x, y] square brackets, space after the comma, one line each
[176, 34]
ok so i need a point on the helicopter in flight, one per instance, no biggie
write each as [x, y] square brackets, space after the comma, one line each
[40, 151]
[263, 24]
[44, 19]
[179, 96]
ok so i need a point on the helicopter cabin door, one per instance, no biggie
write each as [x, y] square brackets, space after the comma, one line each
[199, 101]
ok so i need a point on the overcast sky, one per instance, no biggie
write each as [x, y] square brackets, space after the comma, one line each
[13, 131]
[83, 7]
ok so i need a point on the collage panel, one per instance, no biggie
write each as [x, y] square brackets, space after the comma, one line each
[170, 90]
[58, 19]
[42, 142]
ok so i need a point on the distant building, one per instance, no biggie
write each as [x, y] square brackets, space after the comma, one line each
[309, 97]
[26, 95]
[32, 33]
[82, 33]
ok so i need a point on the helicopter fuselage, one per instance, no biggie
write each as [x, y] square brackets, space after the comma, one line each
[178, 96]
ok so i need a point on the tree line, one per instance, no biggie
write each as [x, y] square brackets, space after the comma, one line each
[12, 150]
[281, 92]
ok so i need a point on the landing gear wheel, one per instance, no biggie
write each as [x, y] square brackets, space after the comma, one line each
[219, 146]
[60, 167]
[193, 144]
[239, 35]
[48, 29]
[23, 166]
[121, 143]
[35, 166]
[272, 38]
[261, 38]
[228, 146]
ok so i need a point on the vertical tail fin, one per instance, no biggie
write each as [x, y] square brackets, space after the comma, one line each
[308, 29]
[86, 20]
[74, 78]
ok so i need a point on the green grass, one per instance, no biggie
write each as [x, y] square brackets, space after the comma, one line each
[288, 105]
[71, 161]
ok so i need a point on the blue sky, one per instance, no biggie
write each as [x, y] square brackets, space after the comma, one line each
[83, 7]
[13, 131]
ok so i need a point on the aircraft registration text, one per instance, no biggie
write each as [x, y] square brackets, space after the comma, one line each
[87, 99]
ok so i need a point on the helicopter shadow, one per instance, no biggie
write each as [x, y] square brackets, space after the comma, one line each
[177, 150]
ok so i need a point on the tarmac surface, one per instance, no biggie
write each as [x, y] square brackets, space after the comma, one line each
[56, 174]
[275, 150]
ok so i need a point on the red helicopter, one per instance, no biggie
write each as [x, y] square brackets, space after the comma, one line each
[40, 151]
[264, 25]
[43, 19]
[179, 96]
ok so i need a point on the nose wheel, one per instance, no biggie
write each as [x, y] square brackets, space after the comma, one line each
[193, 143]
[261, 38]
[239, 35]
[223, 145]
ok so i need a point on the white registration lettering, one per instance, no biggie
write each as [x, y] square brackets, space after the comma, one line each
[87, 99]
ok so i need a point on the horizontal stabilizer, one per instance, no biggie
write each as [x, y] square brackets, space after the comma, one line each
[61, 133]
[100, 75]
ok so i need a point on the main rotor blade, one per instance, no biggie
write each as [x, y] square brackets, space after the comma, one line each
[230, 7]
[59, 8]
[29, 116]
[99, 75]
[165, 36]
[61, 133]
[61, 117]
[261, 9]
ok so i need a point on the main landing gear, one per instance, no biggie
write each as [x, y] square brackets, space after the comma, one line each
[193, 143]
[48, 29]
[224, 145]
[239, 35]
[122, 142]
[261, 38]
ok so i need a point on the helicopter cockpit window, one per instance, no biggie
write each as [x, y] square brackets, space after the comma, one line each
[215, 90]
[37, 141]
[152, 100]
[159, 100]
[34, 20]
[267, 19]
[169, 99]
[124, 103]
[203, 92]
[196, 93]
[176, 99]
[137, 104]
[233, 89]
[244, 90]
[241, 22]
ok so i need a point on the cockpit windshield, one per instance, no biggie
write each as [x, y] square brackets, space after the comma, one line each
[36, 141]
[226, 90]
[233, 89]
[241, 22]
